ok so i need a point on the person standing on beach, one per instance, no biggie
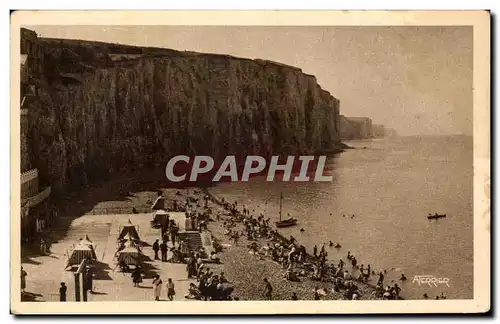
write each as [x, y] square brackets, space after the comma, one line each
[163, 247]
[173, 232]
[191, 266]
[136, 276]
[43, 246]
[170, 289]
[315, 251]
[157, 287]
[62, 292]
[268, 290]
[89, 280]
[380, 279]
[156, 248]
[236, 237]
[396, 291]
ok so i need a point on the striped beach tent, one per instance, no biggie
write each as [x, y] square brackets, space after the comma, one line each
[79, 253]
[131, 254]
[129, 229]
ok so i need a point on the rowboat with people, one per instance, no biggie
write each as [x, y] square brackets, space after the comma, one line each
[436, 216]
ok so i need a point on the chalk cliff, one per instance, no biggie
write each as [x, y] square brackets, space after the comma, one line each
[355, 128]
[95, 115]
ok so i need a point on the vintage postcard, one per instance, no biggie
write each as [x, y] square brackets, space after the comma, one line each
[250, 162]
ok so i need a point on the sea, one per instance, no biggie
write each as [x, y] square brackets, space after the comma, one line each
[390, 185]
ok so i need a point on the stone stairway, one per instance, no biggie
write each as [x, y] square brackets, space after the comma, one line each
[192, 238]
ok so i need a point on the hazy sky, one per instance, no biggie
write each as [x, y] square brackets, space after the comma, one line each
[417, 80]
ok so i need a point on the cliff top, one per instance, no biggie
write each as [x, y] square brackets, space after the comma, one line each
[122, 49]
[79, 57]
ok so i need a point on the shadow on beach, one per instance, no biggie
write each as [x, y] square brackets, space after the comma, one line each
[117, 195]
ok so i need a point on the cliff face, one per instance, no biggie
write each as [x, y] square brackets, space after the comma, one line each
[378, 130]
[355, 127]
[142, 112]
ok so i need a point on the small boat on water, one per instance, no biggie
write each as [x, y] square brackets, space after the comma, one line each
[436, 216]
[285, 222]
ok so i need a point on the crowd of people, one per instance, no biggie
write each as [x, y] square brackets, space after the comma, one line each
[298, 265]
[208, 286]
[348, 279]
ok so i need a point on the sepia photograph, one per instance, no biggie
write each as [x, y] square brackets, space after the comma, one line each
[159, 158]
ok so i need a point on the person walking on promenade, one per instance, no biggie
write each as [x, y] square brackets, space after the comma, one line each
[268, 290]
[173, 232]
[136, 276]
[157, 287]
[156, 248]
[89, 280]
[62, 292]
[170, 289]
[164, 249]
[23, 280]
[43, 246]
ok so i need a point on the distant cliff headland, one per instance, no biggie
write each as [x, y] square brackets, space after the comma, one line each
[362, 127]
[91, 108]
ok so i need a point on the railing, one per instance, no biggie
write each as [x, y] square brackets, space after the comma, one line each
[29, 175]
[35, 200]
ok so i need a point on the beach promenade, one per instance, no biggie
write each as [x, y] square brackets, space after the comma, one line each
[45, 273]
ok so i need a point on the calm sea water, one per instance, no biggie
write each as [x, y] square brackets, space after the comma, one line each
[390, 187]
